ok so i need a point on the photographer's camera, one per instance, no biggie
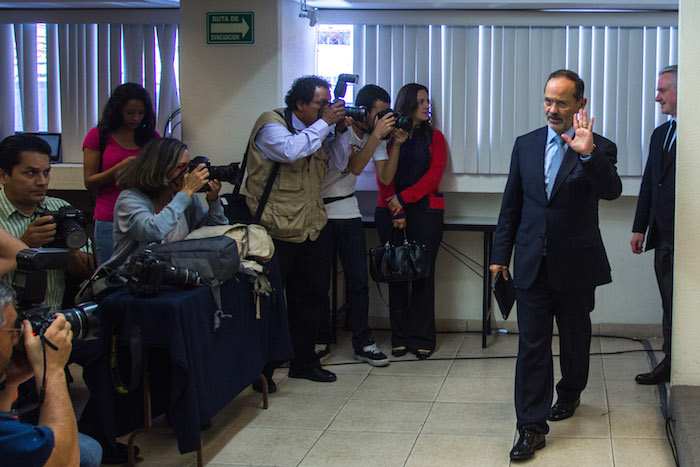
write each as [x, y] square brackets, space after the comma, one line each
[70, 228]
[223, 173]
[30, 286]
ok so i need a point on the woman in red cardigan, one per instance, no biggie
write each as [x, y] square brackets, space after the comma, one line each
[411, 201]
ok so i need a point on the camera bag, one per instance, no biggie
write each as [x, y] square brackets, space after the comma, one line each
[215, 259]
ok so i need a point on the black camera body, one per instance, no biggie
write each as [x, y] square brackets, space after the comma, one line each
[29, 284]
[400, 122]
[70, 228]
[224, 173]
[149, 273]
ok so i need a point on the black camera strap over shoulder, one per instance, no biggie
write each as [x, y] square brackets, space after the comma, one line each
[287, 116]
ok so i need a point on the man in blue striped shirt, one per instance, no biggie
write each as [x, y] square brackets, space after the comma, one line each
[25, 174]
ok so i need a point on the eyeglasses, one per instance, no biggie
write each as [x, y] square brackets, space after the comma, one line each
[19, 329]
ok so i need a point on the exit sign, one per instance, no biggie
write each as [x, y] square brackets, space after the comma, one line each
[230, 28]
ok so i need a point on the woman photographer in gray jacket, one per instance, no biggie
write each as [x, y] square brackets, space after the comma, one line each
[158, 202]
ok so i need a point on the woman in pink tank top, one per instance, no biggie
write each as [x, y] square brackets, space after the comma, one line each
[126, 125]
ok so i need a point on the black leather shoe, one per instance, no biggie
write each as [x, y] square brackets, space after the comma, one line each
[316, 374]
[258, 387]
[660, 374]
[527, 444]
[560, 411]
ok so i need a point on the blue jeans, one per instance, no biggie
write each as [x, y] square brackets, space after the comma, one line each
[90, 451]
[104, 240]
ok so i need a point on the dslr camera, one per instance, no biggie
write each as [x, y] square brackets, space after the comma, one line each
[30, 286]
[70, 228]
[148, 273]
[224, 173]
[400, 122]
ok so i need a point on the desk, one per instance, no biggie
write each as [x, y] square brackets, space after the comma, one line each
[194, 372]
[487, 225]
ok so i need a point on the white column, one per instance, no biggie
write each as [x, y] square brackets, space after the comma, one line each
[686, 316]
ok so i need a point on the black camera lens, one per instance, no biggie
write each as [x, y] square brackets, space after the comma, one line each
[357, 113]
[223, 173]
[83, 321]
[404, 123]
[73, 234]
[182, 277]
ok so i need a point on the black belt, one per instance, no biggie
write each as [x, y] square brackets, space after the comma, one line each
[337, 198]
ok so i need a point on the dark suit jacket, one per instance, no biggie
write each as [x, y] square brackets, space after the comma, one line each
[566, 225]
[656, 204]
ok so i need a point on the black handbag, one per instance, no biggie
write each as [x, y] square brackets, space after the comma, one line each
[399, 263]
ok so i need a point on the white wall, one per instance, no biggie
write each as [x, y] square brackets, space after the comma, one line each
[686, 319]
[224, 88]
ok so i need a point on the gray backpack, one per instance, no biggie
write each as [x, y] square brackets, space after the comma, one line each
[214, 258]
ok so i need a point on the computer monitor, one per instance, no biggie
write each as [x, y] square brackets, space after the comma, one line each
[54, 140]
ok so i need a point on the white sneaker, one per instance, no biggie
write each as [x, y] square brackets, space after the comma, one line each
[372, 355]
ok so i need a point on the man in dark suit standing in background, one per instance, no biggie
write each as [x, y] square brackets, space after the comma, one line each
[655, 210]
[550, 215]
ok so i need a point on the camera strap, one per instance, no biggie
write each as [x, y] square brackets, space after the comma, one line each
[287, 115]
[136, 356]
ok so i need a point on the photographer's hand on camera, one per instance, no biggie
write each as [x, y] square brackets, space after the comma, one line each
[39, 232]
[213, 192]
[383, 126]
[195, 180]
[399, 136]
[333, 113]
[60, 335]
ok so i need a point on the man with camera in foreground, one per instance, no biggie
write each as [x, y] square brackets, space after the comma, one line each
[54, 442]
[25, 169]
[288, 153]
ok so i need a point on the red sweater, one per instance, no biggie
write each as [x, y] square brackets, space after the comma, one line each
[427, 185]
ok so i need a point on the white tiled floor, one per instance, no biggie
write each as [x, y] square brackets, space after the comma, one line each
[435, 412]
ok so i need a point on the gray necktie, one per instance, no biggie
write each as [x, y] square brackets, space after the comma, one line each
[557, 157]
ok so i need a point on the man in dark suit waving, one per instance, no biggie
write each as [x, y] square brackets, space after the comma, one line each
[550, 215]
[655, 210]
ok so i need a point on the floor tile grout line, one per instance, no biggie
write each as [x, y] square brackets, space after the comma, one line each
[325, 430]
[609, 410]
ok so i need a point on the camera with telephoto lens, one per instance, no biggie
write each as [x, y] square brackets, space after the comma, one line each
[400, 122]
[357, 113]
[224, 173]
[149, 273]
[29, 283]
[70, 228]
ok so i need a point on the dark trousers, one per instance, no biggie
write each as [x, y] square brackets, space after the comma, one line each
[303, 281]
[348, 239]
[538, 306]
[663, 266]
[412, 304]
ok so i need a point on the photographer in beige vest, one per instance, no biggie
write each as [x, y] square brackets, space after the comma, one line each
[292, 148]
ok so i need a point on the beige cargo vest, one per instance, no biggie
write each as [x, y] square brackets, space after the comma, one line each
[294, 210]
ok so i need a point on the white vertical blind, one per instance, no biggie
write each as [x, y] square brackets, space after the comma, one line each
[486, 82]
[7, 80]
[84, 63]
[168, 100]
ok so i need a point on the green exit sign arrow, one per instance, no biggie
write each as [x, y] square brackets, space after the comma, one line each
[230, 28]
